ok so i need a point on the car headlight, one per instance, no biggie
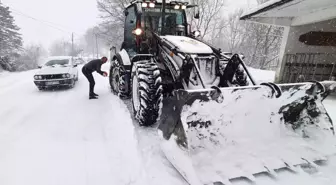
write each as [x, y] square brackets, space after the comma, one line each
[38, 77]
[68, 75]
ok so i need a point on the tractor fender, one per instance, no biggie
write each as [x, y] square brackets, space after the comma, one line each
[122, 58]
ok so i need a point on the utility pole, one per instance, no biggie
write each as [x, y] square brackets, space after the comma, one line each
[72, 45]
[93, 48]
[64, 52]
[97, 45]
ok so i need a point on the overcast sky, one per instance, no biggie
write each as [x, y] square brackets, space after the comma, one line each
[68, 15]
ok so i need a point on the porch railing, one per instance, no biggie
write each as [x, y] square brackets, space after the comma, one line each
[309, 66]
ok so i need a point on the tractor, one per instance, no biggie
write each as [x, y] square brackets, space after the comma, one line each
[161, 54]
[215, 122]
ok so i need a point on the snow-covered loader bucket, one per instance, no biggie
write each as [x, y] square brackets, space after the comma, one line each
[221, 136]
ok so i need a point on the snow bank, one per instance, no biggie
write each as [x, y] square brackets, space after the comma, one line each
[262, 75]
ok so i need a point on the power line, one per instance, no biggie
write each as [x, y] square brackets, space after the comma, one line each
[47, 23]
[42, 22]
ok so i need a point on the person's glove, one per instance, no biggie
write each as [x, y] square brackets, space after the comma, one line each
[105, 74]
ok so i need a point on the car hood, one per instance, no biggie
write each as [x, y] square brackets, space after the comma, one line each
[48, 70]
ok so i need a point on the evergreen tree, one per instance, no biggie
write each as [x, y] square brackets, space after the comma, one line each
[10, 38]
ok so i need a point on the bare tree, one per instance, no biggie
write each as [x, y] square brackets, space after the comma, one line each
[209, 16]
[262, 45]
[64, 48]
[258, 42]
[235, 31]
[31, 57]
[112, 15]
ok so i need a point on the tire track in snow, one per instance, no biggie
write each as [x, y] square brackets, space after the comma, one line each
[158, 169]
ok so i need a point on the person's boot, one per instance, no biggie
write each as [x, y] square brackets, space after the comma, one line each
[93, 97]
[94, 94]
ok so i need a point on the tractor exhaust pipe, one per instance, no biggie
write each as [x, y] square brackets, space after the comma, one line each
[163, 17]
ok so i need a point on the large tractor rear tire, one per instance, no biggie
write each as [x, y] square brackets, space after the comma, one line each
[146, 92]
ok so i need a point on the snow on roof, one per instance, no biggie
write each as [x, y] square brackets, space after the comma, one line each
[264, 6]
[289, 8]
[297, 12]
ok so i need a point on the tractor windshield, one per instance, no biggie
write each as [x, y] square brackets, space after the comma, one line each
[174, 20]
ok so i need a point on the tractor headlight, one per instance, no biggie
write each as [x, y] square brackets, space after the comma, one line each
[151, 5]
[184, 7]
[68, 75]
[176, 7]
[137, 31]
[64, 76]
[36, 77]
[144, 5]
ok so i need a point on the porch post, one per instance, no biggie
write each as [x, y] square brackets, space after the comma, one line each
[282, 55]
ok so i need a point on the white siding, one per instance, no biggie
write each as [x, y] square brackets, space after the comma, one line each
[295, 46]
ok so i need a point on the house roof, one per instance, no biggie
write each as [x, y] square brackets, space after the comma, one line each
[293, 12]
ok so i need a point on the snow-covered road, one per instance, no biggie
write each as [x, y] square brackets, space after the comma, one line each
[62, 138]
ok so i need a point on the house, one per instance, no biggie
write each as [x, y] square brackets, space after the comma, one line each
[308, 50]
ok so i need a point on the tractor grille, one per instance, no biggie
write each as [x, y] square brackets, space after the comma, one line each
[51, 77]
[206, 64]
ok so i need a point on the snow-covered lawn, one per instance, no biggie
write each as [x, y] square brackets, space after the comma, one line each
[262, 75]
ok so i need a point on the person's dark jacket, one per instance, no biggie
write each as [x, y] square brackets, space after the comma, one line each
[94, 65]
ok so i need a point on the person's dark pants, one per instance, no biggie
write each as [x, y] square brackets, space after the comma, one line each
[88, 74]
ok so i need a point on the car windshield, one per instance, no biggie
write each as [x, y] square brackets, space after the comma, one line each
[57, 62]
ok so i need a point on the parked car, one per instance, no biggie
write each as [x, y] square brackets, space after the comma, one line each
[57, 72]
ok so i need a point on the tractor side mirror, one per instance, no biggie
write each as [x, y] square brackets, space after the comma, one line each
[75, 65]
[114, 50]
[189, 29]
[39, 67]
[197, 15]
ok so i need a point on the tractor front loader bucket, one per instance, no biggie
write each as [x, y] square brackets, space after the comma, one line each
[222, 136]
